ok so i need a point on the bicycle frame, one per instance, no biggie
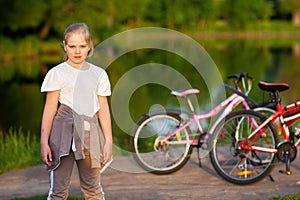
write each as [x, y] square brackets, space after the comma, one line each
[227, 105]
[239, 96]
[287, 116]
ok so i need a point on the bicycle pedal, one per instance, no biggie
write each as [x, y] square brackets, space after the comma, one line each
[246, 172]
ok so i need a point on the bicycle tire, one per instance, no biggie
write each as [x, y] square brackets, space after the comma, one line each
[234, 164]
[144, 143]
[265, 110]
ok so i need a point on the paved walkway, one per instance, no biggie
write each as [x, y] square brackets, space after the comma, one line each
[191, 182]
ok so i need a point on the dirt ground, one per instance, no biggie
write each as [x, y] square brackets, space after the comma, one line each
[124, 180]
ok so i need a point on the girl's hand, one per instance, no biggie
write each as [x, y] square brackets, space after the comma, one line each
[46, 154]
[107, 152]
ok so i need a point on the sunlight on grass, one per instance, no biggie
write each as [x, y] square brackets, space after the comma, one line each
[18, 150]
[286, 197]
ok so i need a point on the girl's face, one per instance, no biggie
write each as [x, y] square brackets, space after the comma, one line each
[77, 49]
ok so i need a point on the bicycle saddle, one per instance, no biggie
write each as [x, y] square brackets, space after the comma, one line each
[273, 87]
[182, 93]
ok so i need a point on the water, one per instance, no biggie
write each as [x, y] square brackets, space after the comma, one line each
[22, 103]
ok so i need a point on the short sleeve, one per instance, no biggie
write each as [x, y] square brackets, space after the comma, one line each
[104, 85]
[51, 81]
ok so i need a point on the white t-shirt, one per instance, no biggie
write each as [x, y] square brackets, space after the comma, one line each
[78, 88]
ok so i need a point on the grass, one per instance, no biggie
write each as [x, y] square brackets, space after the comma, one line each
[18, 150]
[286, 197]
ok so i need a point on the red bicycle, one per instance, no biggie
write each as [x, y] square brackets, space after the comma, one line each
[247, 144]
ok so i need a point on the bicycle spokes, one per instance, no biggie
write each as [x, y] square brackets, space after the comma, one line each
[237, 154]
[160, 145]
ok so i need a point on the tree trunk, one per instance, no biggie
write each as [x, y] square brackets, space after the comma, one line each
[109, 22]
[45, 30]
[296, 18]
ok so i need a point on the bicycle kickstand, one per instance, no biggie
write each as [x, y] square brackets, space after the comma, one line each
[199, 159]
[287, 163]
[201, 140]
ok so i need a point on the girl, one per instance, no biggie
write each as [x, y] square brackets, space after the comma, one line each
[70, 132]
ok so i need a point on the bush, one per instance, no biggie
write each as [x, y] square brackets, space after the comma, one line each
[18, 150]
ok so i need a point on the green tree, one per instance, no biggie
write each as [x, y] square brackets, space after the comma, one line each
[175, 13]
[18, 15]
[61, 13]
[101, 16]
[180, 14]
[292, 7]
[204, 10]
[240, 13]
[132, 13]
[155, 12]
[52, 17]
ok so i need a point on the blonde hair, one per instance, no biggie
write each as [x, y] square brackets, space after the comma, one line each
[79, 28]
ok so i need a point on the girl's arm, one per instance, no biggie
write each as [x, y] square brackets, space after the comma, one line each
[50, 109]
[105, 122]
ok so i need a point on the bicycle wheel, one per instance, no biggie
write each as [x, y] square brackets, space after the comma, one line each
[238, 165]
[151, 153]
[264, 110]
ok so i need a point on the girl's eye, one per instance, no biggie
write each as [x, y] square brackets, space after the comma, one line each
[73, 46]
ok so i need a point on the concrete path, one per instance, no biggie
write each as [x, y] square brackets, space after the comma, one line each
[124, 180]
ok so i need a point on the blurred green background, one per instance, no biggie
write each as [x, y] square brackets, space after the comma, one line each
[261, 37]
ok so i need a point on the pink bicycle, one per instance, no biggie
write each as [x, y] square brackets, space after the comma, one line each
[162, 142]
[247, 144]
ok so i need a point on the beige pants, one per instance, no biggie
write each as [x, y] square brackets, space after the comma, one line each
[89, 178]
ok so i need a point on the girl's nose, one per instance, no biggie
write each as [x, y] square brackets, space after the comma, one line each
[77, 50]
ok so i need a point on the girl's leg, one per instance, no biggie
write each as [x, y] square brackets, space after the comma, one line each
[60, 178]
[89, 179]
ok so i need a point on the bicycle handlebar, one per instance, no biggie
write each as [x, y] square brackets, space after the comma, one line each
[240, 94]
[238, 78]
[244, 79]
[233, 76]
